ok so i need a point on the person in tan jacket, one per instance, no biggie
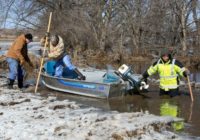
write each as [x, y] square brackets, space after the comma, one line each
[17, 55]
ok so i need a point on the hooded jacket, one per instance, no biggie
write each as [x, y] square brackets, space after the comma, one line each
[169, 72]
[58, 51]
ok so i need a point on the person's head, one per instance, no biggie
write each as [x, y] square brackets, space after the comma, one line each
[165, 55]
[54, 39]
[29, 37]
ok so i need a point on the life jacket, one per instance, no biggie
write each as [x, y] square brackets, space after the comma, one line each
[169, 72]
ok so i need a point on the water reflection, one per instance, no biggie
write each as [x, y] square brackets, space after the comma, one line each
[168, 108]
[180, 106]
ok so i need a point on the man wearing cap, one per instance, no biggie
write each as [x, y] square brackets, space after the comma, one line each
[17, 55]
[63, 66]
[169, 71]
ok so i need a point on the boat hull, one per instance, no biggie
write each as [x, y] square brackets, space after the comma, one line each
[84, 88]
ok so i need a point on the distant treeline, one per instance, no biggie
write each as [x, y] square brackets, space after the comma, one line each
[110, 25]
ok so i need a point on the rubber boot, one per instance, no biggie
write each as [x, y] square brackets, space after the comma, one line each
[20, 83]
[10, 83]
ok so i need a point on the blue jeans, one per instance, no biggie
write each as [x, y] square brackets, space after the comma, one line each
[15, 69]
[64, 68]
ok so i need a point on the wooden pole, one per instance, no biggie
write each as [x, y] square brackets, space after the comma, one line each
[42, 60]
[190, 89]
[191, 110]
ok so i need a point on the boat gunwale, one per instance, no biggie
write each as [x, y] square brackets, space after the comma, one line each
[84, 81]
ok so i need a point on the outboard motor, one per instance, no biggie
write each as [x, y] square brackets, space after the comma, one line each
[134, 80]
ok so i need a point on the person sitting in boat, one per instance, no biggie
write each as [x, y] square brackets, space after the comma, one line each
[63, 66]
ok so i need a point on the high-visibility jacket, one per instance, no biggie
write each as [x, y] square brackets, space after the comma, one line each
[169, 72]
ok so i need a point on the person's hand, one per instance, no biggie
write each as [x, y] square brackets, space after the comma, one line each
[186, 72]
[143, 84]
[21, 62]
[31, 64]
[81, 77]
[47, 34]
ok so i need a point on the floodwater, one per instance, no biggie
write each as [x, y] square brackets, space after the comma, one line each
[180, 106]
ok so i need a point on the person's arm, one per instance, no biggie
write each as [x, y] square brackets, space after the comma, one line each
[19, 44]
[24, 52]
[150, 71]
[180, 69]
[67, 62]
[80, 75]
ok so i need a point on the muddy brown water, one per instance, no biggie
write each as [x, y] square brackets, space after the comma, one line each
[180, 106]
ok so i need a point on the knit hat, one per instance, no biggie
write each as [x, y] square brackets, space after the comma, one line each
[165, 51]
[29, 36]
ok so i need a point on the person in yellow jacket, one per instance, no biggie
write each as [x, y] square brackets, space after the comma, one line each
[169, 70]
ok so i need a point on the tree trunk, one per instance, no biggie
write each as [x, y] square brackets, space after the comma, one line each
[195, 18]
[183, 28]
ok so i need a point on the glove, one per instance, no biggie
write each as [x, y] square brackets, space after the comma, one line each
[21, 62]
[81, 77]
[47, 34]
[143, 85]
[186, 73]
[31, 64]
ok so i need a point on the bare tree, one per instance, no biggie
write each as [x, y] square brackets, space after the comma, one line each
[195, 6]
[109, 24]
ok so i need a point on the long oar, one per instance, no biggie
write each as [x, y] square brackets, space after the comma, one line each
[42, 60]
[190, 89]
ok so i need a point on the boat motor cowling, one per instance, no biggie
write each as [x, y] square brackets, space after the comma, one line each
[127, 74]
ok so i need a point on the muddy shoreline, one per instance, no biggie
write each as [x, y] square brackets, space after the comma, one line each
[28, 115]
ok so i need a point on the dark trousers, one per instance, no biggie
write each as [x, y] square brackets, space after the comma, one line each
[171, 92]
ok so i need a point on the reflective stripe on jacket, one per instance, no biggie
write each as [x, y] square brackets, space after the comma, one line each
[168, 73]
